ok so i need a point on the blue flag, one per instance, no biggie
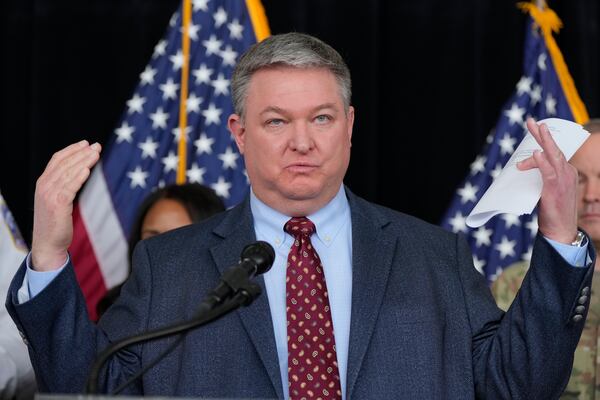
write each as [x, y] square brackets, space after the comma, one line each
[540, 93]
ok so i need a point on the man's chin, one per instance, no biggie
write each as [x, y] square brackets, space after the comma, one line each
[302, 194]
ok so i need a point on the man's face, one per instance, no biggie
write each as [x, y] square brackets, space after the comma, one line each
[587, 162]
[295, 138]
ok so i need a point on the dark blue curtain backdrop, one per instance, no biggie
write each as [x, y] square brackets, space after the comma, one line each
[429, 80]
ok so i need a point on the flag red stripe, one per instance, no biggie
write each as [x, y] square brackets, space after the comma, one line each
[86, 265]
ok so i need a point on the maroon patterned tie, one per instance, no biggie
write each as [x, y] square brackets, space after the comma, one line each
[312, 361]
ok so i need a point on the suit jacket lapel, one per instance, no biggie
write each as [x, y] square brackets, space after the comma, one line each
[237, 231]
[372, 253]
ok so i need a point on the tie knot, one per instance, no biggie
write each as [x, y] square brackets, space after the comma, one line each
[299, 226]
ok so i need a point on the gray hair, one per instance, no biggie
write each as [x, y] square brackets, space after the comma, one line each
[592, 126]
[297, 50]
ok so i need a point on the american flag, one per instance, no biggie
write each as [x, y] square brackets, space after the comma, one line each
[142, 154]
[541, 93]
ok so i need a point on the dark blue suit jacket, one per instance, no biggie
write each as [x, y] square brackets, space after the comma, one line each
[423, 325]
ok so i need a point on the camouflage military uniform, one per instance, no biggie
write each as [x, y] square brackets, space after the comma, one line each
[585, 377]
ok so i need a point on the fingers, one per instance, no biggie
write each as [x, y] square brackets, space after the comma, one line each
[64, 153]
[66, 168]
[528, 163]
[546, 168]
[551, 157]
[55, 192]
[557, 218]
[553, 154]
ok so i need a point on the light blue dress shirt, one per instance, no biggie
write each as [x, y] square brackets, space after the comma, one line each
[333, 242]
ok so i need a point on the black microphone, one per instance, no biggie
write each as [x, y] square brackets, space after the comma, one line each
[234, 290]
[257, 258]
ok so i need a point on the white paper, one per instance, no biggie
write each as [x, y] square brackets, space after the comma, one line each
[517, 192]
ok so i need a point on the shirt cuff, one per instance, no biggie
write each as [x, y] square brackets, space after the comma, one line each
[576, 256]
[36, 281]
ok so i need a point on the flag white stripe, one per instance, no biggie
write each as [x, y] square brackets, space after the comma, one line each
[104, 229]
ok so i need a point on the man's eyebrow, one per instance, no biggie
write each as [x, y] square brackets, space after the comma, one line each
[280, 110]
[273, 109]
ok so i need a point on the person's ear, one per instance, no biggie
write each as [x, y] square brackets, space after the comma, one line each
[236, 127]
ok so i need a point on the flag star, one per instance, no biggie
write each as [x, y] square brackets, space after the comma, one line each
[161, 184]
[468, 193]
[193, 103]
[496, 274]
[200, 5]
[536, 94]
[204, 144]
[169, 89]
[177, 60]
[135, 104]
[212, 115]
[159, 118]
[195, 174]
[490, 137]
[221, 187]
[507, 144]
[192, 31]
[541, 61]
[524, 85]
[138, 177]
[160, 49]
[177, 133]
[482, 236]
[202, 74]
[524, 124]
[459, 223]
[550, 105]
[479, 264]
[148, 148]
[515, 114]
[124, 132]
[221, 85]
[229, 56]
[213, 45]
[173, 20]
[496, 171]
[229, 158]
[170, 162]
[527, 255]
[478, 165]
[147, 77]
[220, 17]
[510, 220]
[506, 247]
[532, 225]
[235, 29]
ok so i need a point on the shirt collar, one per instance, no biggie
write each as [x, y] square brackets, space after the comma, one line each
[329, 220]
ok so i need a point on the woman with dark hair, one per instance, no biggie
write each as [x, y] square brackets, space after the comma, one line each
[167, 208]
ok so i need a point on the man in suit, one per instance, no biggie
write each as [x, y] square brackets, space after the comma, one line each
[393, 307]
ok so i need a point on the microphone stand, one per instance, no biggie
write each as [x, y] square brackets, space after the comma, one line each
[211, 309]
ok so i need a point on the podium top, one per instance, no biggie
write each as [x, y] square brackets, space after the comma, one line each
[46, 396]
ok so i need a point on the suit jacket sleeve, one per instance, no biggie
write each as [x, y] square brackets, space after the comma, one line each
[529, 352]
[59, 332]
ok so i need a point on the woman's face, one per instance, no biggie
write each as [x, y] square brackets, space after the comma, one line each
[164, 215]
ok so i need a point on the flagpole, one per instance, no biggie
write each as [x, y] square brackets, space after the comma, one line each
[549, 23]
[185, 46]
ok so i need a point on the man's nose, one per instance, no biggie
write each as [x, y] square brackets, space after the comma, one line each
[301, 140]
